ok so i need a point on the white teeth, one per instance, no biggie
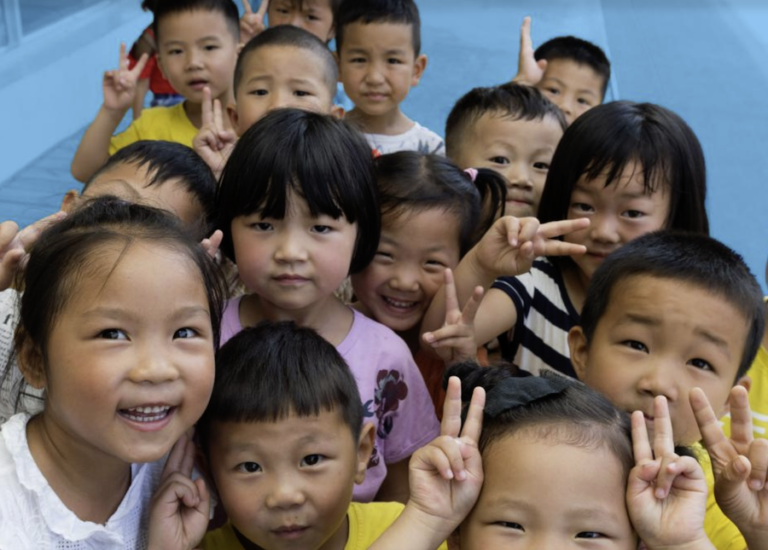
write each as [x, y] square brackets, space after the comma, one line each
[149, 410]
[397, 303]
[146, 414]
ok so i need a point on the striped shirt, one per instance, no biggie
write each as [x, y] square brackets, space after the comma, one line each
[545, 314]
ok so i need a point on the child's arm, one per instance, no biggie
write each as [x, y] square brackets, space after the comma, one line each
[739, 465]
[180, 507]
[455, 341]
[666, 493]
[214, 142]
[252, 23]
[14, 245]
[507, 249]
[446, 477]
[529, 71]
[119, 93]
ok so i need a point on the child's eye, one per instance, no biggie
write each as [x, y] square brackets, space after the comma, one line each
[500, 160]
[394, 61]
[383, 255]
[634, 214]
[582, 207]
[435, 263]
[584, 102]
[701, 364]
[357, 60]
[260, 91]
[553, 91]
[510, 525]
[322, 229]
[185, 332]
[174, 52]
[301, 93]
[635, 345]
[261, 226]
[541, 165]
[590, 535]
[211, 47]
[113, 334]
[312, 460]
[249, 467]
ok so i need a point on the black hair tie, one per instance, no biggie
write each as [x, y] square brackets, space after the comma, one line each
[511, 393]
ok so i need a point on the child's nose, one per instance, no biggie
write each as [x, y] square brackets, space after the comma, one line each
[290, 249]
[405, 279]
[153, 364]
[284, 493]
[518, 175]
[604, 229]
[658, 379]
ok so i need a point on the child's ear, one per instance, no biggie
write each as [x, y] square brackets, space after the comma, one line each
[579, 348]
[337, 111]
[419, 66]
[233, 118]
[31, 361]
[364, 450]
[70, 200]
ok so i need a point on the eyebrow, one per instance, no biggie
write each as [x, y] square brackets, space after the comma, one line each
[644, 320]
[296, 80]
[203, 39]
[713, 339]
[130, 190]
[363, 51]
[122, 313]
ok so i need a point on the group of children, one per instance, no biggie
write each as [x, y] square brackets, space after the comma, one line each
[314, 289]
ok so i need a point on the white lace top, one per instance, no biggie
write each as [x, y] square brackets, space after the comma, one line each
[33, 517]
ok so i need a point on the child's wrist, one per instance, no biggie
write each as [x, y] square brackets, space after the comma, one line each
[484, 276]
[436, 528]
[701, 543]
[114, 114]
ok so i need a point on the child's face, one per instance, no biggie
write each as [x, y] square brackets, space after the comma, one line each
[130, 360]
[196, 49]
[540, 494]
[130, 183]
[280, 76]
[573, 87]
[378, 66]
[617, 213]
[314, 16]
[662, 337]
[288, 484]
[520, 150]
[409, 267]
[297, 262]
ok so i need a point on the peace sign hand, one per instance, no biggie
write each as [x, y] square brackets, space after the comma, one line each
[120, 85]
[529, 71]
[214, 142]
[252, 24]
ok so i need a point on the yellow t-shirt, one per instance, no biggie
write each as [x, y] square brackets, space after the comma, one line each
[157, 123]
[758, 396]
[721, 531]
[367, 521]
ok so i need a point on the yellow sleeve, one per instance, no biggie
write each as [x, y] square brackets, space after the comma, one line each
[721, 531]
[125, 138]
[367, 521]
[157, 123]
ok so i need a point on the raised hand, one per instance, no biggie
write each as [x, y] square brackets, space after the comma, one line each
[214, 142]
[120, 84]
[14, 245]
[455, 341]
[739, 465]
[252, 23]
[180, 507]
[511, 244]
[666, 493]
[211, 244]
[529, 71]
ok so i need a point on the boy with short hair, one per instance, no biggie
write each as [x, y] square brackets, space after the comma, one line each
[314, 16]
[197, 49]
[512, 129]
[284, 66]
[284, 444]
[572, 72]
[666, 313]
[378, 45]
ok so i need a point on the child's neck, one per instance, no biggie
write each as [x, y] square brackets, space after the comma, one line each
[390, 124]
[329, 317]
[576, 284]
[89, 484]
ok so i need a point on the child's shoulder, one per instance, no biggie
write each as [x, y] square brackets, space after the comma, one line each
[157, 123]
[369, 335]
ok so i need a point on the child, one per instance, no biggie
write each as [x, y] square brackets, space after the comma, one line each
[572, 72]
[629, 169]
[314, 16]
[667, 313]
[512, 129]
[284, 441]
[378, 45]
[298, 208]
[118, 324]
[197, 48]
[283, 66]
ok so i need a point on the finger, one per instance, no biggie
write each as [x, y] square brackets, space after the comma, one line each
[263, 8]
[218, 120]
[451, 423]
[663, 440]
[435, 458]
[176, 456]
[525, 35]
[188, 460]
[641, 445]
[451, 448]
[717, 445]
[473, 423]
[469, 312]
[559, 248]
[562, 227]
[212, 243]
[758, 458]
[122, 61]
[204, 494]
[140, 64]
[247, 7]
[741, 418]
[29, 235]
[451, 300]
[529, 227]
[443, 341]
[668, 471]
[180, 489]
[207, 110]
[511, 226]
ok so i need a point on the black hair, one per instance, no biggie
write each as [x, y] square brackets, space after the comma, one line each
[579, 51]
[688, 258]
[334, 4]
[398, 12]
[322, 159]
[227, 9]
[576, 416]
[409, 181]
[511, 100]
[68, 251]
[610, 137]
[166, 161]
[268, 372]
[293, 37]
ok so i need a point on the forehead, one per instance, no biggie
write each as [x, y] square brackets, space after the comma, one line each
[578, 76]
[495, 127]
[379, 36]
[434, 229]
[630, 182]
[287, 63]
[307, 5]
[193, 26]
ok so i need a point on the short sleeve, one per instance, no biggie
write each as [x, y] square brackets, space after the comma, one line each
[520, 290]
[130, 135]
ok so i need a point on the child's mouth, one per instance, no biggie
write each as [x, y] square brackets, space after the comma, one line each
[399, 305]
[147, 414]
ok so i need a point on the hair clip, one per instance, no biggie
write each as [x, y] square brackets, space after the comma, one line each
[511, 393]
[472, 172]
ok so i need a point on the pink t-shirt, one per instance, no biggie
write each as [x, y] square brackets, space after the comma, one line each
[395, 398]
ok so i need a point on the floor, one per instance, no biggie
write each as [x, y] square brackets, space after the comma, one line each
[704, 59]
